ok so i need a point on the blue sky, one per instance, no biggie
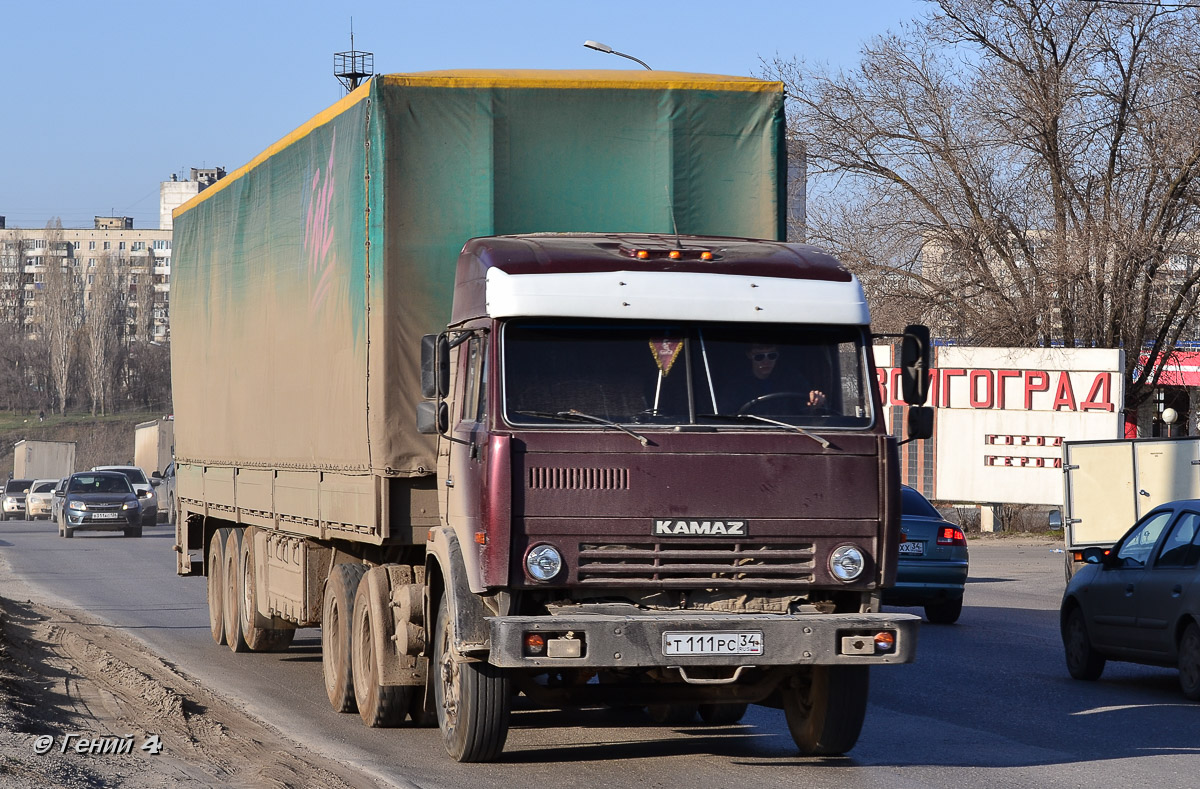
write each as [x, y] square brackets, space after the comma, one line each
[102, 101]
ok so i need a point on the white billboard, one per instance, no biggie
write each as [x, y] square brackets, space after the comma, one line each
[1002, 415]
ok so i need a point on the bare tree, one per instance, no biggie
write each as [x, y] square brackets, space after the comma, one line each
[62, 311]
[1018, 172]
[101, 332]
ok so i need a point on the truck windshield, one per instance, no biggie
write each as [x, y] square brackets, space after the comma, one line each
[750, 375]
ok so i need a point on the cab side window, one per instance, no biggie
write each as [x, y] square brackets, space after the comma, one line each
[1136, 547]
[1181, 548]
[474, 405]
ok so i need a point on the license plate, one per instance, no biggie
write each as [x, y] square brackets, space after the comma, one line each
[912, 548]
[106, 516]
[741, 642]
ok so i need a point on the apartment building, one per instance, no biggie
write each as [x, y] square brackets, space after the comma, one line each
[142, 256]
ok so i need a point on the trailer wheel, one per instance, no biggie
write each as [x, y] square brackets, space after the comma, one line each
[472, 698]
[258, 639]
[231, 593]
[379, 705]
[336, 617]
[722, 714]
[825, 706]
[216, 582]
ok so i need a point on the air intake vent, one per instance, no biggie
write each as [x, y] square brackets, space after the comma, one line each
[579, 479]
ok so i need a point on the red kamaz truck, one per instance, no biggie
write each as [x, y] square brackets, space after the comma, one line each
[493, 376]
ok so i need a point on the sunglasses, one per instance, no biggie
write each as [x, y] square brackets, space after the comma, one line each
[769, 356]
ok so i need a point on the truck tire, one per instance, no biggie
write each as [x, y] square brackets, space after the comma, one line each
[944, 612]
[673, 714]
[1189, 662]
[258, 639]
[1083, 661]
[337, 614]
[216, 582]
[379, 706]
[472, 698]
[722, 714]
[231, 592]
[825, 706]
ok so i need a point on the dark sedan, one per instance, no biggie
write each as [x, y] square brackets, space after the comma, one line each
[98, 501]
[1139, 601]
[932, 571]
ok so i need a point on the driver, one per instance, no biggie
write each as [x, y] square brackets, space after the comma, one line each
[763, 359]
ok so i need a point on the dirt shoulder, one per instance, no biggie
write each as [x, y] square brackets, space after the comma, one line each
[63, 673]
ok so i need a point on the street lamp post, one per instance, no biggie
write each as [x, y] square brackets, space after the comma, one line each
[596, 45]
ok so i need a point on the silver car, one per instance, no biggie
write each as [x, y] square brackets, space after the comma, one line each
[147, 495]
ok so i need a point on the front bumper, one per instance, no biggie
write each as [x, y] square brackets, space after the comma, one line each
[614, 641]
[87, 521]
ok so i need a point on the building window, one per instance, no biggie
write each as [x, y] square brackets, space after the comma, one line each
[108, 245]
[91, 245]
[120, 245]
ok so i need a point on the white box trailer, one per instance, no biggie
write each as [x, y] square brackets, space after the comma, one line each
[1109, 485]
[43, 459]
[154, 445]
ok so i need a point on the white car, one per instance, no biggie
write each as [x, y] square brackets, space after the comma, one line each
[147, 496]
[39, 502]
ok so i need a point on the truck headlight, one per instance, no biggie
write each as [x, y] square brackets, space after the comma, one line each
[543, 562]
[846, 562]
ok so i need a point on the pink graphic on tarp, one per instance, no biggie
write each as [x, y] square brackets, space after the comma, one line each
[318, 233]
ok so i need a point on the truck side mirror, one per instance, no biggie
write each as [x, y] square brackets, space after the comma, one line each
[920, 423]
[914, 364]
[1055, 520]
[435, 366]
[433, 417]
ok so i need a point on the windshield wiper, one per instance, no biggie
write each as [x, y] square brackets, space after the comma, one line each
[574, 413]
[756, 418]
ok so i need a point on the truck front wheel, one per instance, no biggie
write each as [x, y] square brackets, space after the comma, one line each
[472, 698]
[378, 705]
[336, 629]
[825, 707]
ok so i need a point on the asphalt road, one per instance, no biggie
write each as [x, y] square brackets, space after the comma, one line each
[987, 704]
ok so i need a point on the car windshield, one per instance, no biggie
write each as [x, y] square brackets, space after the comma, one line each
[100, 483]
[18, 485]
[44, 487]
[913, 503]
[567, 371]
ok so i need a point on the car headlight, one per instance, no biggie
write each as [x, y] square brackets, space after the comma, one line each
[129, 505]
[77, 505]
[543, 562]
[9, 500]
[846, 562]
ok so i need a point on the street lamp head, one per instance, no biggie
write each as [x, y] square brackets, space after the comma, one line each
[606, 49]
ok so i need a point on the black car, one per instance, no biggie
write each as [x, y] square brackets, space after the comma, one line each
[932, 570]
[1139, 601]
[98, 501]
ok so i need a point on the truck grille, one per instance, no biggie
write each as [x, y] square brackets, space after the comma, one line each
[755, 565]
[543, 478]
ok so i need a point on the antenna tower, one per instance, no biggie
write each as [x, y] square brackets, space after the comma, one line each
[352, 67]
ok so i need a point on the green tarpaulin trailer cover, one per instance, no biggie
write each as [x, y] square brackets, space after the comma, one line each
[302, 282]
